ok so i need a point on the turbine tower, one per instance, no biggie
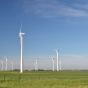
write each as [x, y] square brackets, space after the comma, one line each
[12, 66]
[6, 63]
[53, 62]
[57, 59]
[60, 65]
[2, 65]
[36, 64]
[21, 41]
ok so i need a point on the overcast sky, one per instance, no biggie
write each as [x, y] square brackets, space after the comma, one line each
[48, 25]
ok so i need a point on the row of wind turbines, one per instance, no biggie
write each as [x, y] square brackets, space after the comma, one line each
[6, 64]
[35, 64]
[58, 65]
[21, 34]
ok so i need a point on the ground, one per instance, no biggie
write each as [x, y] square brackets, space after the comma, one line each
[44, 79]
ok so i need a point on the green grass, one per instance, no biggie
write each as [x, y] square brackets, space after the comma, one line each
[44, 79]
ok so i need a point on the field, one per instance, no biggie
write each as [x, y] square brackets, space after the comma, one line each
[44, 79]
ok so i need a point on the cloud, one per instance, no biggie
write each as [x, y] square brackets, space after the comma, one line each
[54, 8]
[67, 11]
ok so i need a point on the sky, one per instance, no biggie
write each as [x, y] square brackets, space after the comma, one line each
[48, 25]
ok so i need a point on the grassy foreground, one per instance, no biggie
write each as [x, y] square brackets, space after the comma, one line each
[44, 79]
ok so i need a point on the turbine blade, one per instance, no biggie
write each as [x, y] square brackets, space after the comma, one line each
[21, 27]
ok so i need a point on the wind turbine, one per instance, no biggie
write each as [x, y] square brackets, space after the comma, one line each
[12, 66]
[21, 41]
[53, 62]
[36, 65]
[6, 63]
[2, 65]
[60, 65]
[57, 59]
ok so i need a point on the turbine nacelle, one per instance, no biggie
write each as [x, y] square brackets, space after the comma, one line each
[56, 50]
[21, 34]
[6, 58]
[52, 58]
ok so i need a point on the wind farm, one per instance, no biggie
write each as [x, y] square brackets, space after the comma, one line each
[38, 39]
[49, 76]
[43, 44]
[57, 62]
[21, 64]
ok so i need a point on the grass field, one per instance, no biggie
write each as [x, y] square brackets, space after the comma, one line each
[44, 79]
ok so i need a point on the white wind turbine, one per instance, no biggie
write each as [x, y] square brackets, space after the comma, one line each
[36, 65]
[21, 41]
[12, 66]
[2, 65]
[6, 63]
[60, 65]
[57, 59]
[53, 62]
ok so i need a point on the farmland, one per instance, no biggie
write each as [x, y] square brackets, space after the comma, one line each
[44, 79]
